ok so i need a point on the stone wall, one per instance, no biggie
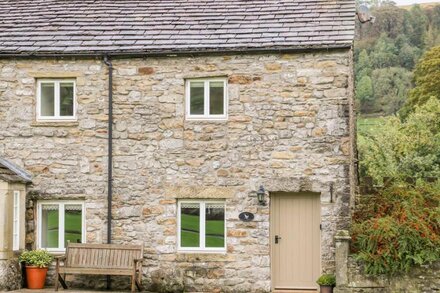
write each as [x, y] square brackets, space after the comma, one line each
[10, 275]
[288, 129]
[421, 279]
[350, 276]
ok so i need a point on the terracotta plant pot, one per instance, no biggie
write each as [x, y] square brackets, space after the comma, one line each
[326, 289]
[35, 277]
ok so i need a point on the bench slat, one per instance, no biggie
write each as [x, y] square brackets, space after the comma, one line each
[105, 246]
[86, 271]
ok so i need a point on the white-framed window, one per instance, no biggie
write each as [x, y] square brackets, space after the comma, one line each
[56, 99]
[59, 222]
[206, 99]
[201, 226]
[16, 221]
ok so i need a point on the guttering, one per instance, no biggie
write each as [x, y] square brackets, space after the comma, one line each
[167, 53]
[109, 64]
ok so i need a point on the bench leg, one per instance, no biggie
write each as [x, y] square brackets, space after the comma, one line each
[133, 282]
[139, 278]
[63, 283]
[138, 285]
[58, 278]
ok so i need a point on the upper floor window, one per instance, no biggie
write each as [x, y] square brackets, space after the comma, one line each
[56, 100]
[206, 98]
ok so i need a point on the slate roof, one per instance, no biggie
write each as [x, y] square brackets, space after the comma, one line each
[10, 172]
[165, 26]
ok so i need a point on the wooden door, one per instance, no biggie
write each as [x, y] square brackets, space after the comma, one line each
[295, 241]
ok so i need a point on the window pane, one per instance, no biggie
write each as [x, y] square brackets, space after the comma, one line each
[15, 225]
[72, 223]
[66, 99]
[215, 225]
[47, 99]
[190, 225]
[216, 96]
[197, 102]
[50, 226]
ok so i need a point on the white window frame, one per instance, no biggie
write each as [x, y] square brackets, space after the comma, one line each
[206, 115]
[16, 221]
[57, 116]
[61, 204]
[202, 248]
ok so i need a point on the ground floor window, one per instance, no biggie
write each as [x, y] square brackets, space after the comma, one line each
[59, 222]
[201, 225]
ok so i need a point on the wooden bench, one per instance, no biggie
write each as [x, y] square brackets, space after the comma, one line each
[101, 259]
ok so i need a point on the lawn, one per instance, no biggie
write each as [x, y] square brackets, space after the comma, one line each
[190, 234]
[370, 124]
[72, 224]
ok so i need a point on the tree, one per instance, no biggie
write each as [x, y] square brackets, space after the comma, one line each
[408, 55]
[363, 65]
[390, 86]
[400, 149]
[432, 37]
[364, 89]
[427, 80]
[435, 16]
[384, 53]
[419, 23]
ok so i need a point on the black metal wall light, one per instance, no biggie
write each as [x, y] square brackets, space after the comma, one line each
[261, 196]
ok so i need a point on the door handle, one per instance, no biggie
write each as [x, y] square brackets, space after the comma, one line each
[277, 238]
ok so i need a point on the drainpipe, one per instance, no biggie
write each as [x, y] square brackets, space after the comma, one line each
[109, 64]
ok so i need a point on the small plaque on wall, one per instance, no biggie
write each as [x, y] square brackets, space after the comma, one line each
[246, 216]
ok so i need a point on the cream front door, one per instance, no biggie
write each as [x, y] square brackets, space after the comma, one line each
[295, 240]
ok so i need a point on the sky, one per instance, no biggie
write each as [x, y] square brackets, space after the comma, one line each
[405, 2]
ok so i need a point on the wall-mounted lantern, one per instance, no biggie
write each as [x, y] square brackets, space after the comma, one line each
[260, 195]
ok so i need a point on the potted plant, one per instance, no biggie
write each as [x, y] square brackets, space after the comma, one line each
[36, 262]
[326, 283]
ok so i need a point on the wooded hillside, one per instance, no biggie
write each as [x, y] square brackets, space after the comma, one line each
[387, 51]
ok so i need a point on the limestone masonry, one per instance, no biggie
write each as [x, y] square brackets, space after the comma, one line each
[288, 129]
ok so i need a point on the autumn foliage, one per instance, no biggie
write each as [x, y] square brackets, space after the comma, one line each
[398, 228]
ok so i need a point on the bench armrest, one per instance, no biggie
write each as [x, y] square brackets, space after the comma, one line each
[136, 260]
[60, 257]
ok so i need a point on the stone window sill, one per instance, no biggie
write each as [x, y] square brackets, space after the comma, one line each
[193, 252]
[54, 124]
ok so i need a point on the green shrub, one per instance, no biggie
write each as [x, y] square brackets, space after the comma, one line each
[403, 149]
[38, 258]
[327, 280]
[398, 228]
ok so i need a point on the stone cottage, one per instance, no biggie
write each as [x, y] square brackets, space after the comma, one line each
[217, 133]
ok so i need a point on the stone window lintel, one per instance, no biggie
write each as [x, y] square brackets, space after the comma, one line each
[199, 192]
[55, 74]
